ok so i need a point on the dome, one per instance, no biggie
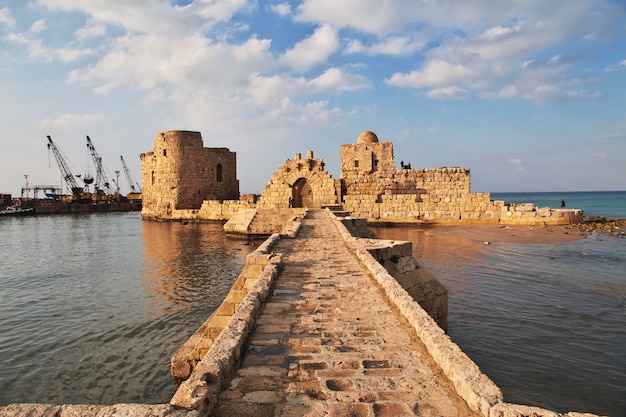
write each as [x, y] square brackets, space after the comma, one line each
[367, 137]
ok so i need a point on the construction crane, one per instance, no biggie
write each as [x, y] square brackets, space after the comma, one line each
[102, 186]
[135, 192]
[77, 191]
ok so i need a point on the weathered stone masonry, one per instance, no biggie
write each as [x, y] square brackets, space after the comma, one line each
[184, 181]
[304, 181]
[180, 173]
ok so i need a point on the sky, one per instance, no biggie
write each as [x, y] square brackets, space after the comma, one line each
[530, 95]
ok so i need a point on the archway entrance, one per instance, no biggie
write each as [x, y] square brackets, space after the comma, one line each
[302, 193]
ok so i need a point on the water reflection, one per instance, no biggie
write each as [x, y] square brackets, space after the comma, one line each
[95, 318]
[188, 264]
[455, 252]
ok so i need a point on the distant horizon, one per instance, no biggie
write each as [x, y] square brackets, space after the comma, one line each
[555, 192]
[530, 95]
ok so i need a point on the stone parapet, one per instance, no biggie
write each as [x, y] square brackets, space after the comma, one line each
[480, 393]
[213, 353]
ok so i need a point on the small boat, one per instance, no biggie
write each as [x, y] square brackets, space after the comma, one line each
[16, 210]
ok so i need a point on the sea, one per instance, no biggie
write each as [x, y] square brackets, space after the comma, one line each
[92, 306]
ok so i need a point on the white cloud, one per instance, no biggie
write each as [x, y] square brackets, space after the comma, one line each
[313, 50]
[384, 18]
[92, 29]
[278, 91]
[73, 120]
[282, 9]
[448, 92]
[6, 18]
[150, 61]
[621, 66]
[38, 26]
[500, 52]
[337, 80]
[499, 32]
[148, 16]
[37, 50]
[434, 73]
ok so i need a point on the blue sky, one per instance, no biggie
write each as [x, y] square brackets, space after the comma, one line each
[530, 95]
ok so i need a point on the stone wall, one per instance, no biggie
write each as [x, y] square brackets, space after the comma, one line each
[182, 180]
[304, 181]
[180, 173]
[184, 361]
[374, 189]
[220, 342]
[397, 258]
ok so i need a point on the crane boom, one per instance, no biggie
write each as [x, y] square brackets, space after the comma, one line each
[65, 170]
[102, 184]
[131, 182]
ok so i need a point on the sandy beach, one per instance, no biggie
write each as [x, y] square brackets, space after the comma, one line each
[512, 234]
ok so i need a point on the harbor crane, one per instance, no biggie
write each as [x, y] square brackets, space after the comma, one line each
[77, 191]
[102, 186]
[135, 188]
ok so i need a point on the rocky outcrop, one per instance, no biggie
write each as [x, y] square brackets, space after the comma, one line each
[600, 225]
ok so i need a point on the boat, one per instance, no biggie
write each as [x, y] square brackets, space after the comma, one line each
[16, 210]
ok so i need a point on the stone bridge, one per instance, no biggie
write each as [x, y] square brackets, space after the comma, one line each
[316, 325]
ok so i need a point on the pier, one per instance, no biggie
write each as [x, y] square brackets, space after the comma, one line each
[327, 342]
[316, 326]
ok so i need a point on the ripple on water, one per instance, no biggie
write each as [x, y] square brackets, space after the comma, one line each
[544, 321]
[96, 318]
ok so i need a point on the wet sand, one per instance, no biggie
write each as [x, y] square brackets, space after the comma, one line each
[511, 234]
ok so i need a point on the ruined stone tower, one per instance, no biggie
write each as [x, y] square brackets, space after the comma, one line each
[180, 173]
[373, 188]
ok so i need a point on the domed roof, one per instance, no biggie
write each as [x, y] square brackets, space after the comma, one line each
[367, 137]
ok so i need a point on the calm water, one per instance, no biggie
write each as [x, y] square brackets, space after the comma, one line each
[93, 306]
[610, 204]
[546, 322]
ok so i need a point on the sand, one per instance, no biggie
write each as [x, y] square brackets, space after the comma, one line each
[512, 234]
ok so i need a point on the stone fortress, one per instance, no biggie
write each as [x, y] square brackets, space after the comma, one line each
[183, 180]
[295, 313]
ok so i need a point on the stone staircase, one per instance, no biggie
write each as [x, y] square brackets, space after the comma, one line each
[263, 222]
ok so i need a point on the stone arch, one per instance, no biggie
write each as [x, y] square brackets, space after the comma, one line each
[303, 180]
[302, 193]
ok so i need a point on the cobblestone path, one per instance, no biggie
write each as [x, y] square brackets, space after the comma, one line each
[328, 343]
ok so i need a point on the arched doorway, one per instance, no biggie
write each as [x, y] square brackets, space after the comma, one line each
[302, 193]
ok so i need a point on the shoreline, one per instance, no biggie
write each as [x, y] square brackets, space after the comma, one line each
[525, 234]
[493, 233]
